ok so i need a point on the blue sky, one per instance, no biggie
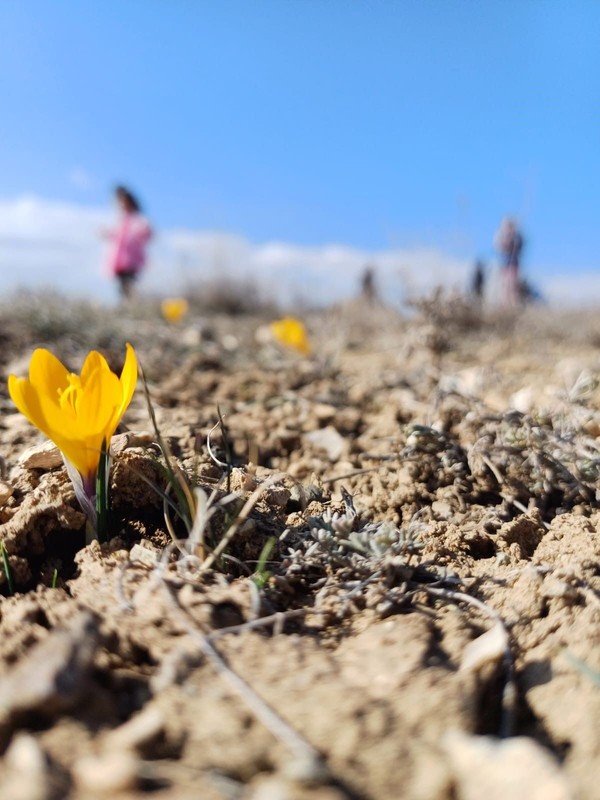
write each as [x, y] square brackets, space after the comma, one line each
[373, 124]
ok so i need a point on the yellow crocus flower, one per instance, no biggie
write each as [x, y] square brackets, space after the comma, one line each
[79, 413]
[174, 309]
[290, 332]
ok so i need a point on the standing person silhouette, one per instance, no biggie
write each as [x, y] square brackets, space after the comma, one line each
[127, 255]
[509, 243]
[478, 282]
[368, 290]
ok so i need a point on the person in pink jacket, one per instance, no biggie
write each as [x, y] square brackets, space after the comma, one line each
[127, 255]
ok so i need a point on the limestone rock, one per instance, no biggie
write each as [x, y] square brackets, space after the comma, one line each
[518, 768]
[41, 456]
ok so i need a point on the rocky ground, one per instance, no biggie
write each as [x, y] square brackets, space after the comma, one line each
[392, 589]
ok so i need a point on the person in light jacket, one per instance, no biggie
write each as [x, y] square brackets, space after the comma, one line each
[509, 243]
[127, 255]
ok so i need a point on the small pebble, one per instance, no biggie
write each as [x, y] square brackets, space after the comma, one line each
[6, 492]
[41, 456]
[138, 731]
[113, 772]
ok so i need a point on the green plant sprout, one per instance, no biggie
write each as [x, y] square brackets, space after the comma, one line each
[261, 574]
[7, 569]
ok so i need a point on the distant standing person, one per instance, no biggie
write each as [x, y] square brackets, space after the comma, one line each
[367, 284]
[509, 243]
[129, 239]
[478, 281]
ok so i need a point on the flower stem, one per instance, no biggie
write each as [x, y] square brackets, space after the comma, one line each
[102, 495]
[7, 569]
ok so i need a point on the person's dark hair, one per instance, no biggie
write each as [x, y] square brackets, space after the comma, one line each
[129, 199]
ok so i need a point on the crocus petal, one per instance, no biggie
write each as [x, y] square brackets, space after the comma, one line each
[94, 360]
[96, 409]
[292, 333]
[174, 308]
[25, 399]
[127, 384]
[47, 373]
[96, 405]
[128, 379]
[37, 406]
[82, 454]
[47, 417]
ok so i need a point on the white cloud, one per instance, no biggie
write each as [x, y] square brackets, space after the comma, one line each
[320, 274]
[49, 244]
[45, 243]
[578, 289]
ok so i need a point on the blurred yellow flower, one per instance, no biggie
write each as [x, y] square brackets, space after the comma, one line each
[79, 413]
[290, 332]
[174, 309]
